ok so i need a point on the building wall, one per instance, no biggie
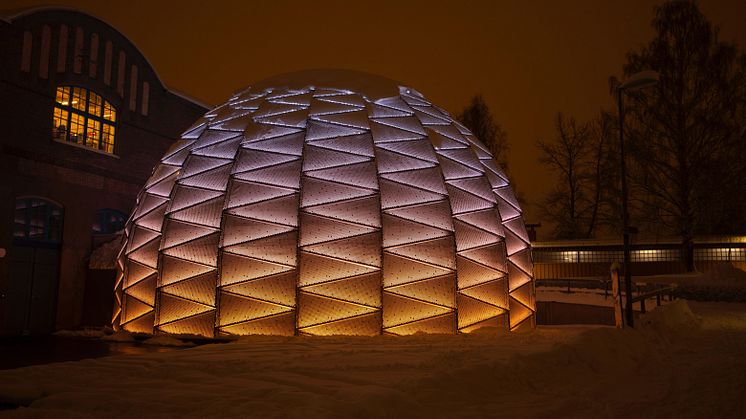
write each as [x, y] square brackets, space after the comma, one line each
[589, 259]
[81, 180]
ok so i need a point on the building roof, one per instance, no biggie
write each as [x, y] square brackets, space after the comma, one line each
[10, 15]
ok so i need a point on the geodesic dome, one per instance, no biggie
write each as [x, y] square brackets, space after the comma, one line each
[325, 203]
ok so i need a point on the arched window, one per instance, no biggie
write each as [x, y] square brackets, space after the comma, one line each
[37, 220]
[83, 117]
[108, 221]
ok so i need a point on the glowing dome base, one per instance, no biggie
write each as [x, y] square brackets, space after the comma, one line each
[316, 207]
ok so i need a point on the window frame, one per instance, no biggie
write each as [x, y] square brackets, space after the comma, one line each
[52, 227]
[65, 111]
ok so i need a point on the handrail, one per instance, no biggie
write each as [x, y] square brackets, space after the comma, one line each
[657, 293]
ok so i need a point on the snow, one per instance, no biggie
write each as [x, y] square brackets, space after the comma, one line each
[105, 256]
[685, 360]
[719, 275]
[119, 336]
[163, 340]
[723, 275]
[85, 333]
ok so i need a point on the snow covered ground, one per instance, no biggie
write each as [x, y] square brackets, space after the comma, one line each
[675, 365]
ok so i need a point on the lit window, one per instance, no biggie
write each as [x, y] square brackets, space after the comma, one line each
[37, 220]
[85, 118]
[108, 221]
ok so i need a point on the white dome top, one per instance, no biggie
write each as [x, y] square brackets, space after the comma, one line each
[325, 202]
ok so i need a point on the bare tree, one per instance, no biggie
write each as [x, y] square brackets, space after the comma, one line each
[603, 169]
[583, 158]
[478, 118]
[683, 131]
[567, 158]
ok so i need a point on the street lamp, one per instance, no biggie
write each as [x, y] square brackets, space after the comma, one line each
[636, 81]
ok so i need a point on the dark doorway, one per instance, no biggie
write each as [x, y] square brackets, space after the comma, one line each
[29, 300]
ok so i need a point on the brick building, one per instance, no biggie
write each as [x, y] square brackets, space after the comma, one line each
[85, 119]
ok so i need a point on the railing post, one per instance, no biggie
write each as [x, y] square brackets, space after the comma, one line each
[642, 305]
[617, 296]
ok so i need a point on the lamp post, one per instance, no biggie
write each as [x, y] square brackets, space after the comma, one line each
[636, 81]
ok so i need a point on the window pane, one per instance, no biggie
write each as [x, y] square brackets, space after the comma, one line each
[93, 133]
[36, 219]
[59, 124]
[77, 129]
[79, 99]
[94, 104]
[63, 95]
[107, 138]
[110, 114]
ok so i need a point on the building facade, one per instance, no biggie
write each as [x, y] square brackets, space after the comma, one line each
[85, 120]
[592, 259]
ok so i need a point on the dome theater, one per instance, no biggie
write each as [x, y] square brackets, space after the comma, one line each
[324, 203]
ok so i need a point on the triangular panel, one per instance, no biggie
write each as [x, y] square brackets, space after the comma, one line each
[427, 179]
[471, 311]
[440, 290]
[399, 310]
[444, 324]
[281, 248]
[364, 248]
[234, 309]
[398, 231]
[316, 192]
[365, 325]
[494, 292]
[203, 250]
[364, 289]
[172, 308]
[244, 193]
[278, 289]
[314, 309]
[436, 214]
[282, 210]
[200, 288]
[365, 210]
[207, 213]
[317, 229]
[237, 268]
[398, 270]
[440, 251]
[201, 325]
[175, 270]
[286, 175]
[316, 268]
[361, 174]
[471, 273]
[144, 290]
[278, 325]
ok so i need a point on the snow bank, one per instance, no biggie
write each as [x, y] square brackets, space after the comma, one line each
[163, 340]
[120, 336]
[105, 256]
[725, 274]
[85, 333]
[671, 366]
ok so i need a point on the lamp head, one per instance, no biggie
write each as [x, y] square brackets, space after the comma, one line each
[640, 80]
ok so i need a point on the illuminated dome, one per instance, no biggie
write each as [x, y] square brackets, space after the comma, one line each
[322, 203]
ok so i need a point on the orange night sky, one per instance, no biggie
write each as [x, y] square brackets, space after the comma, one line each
[529, 59]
